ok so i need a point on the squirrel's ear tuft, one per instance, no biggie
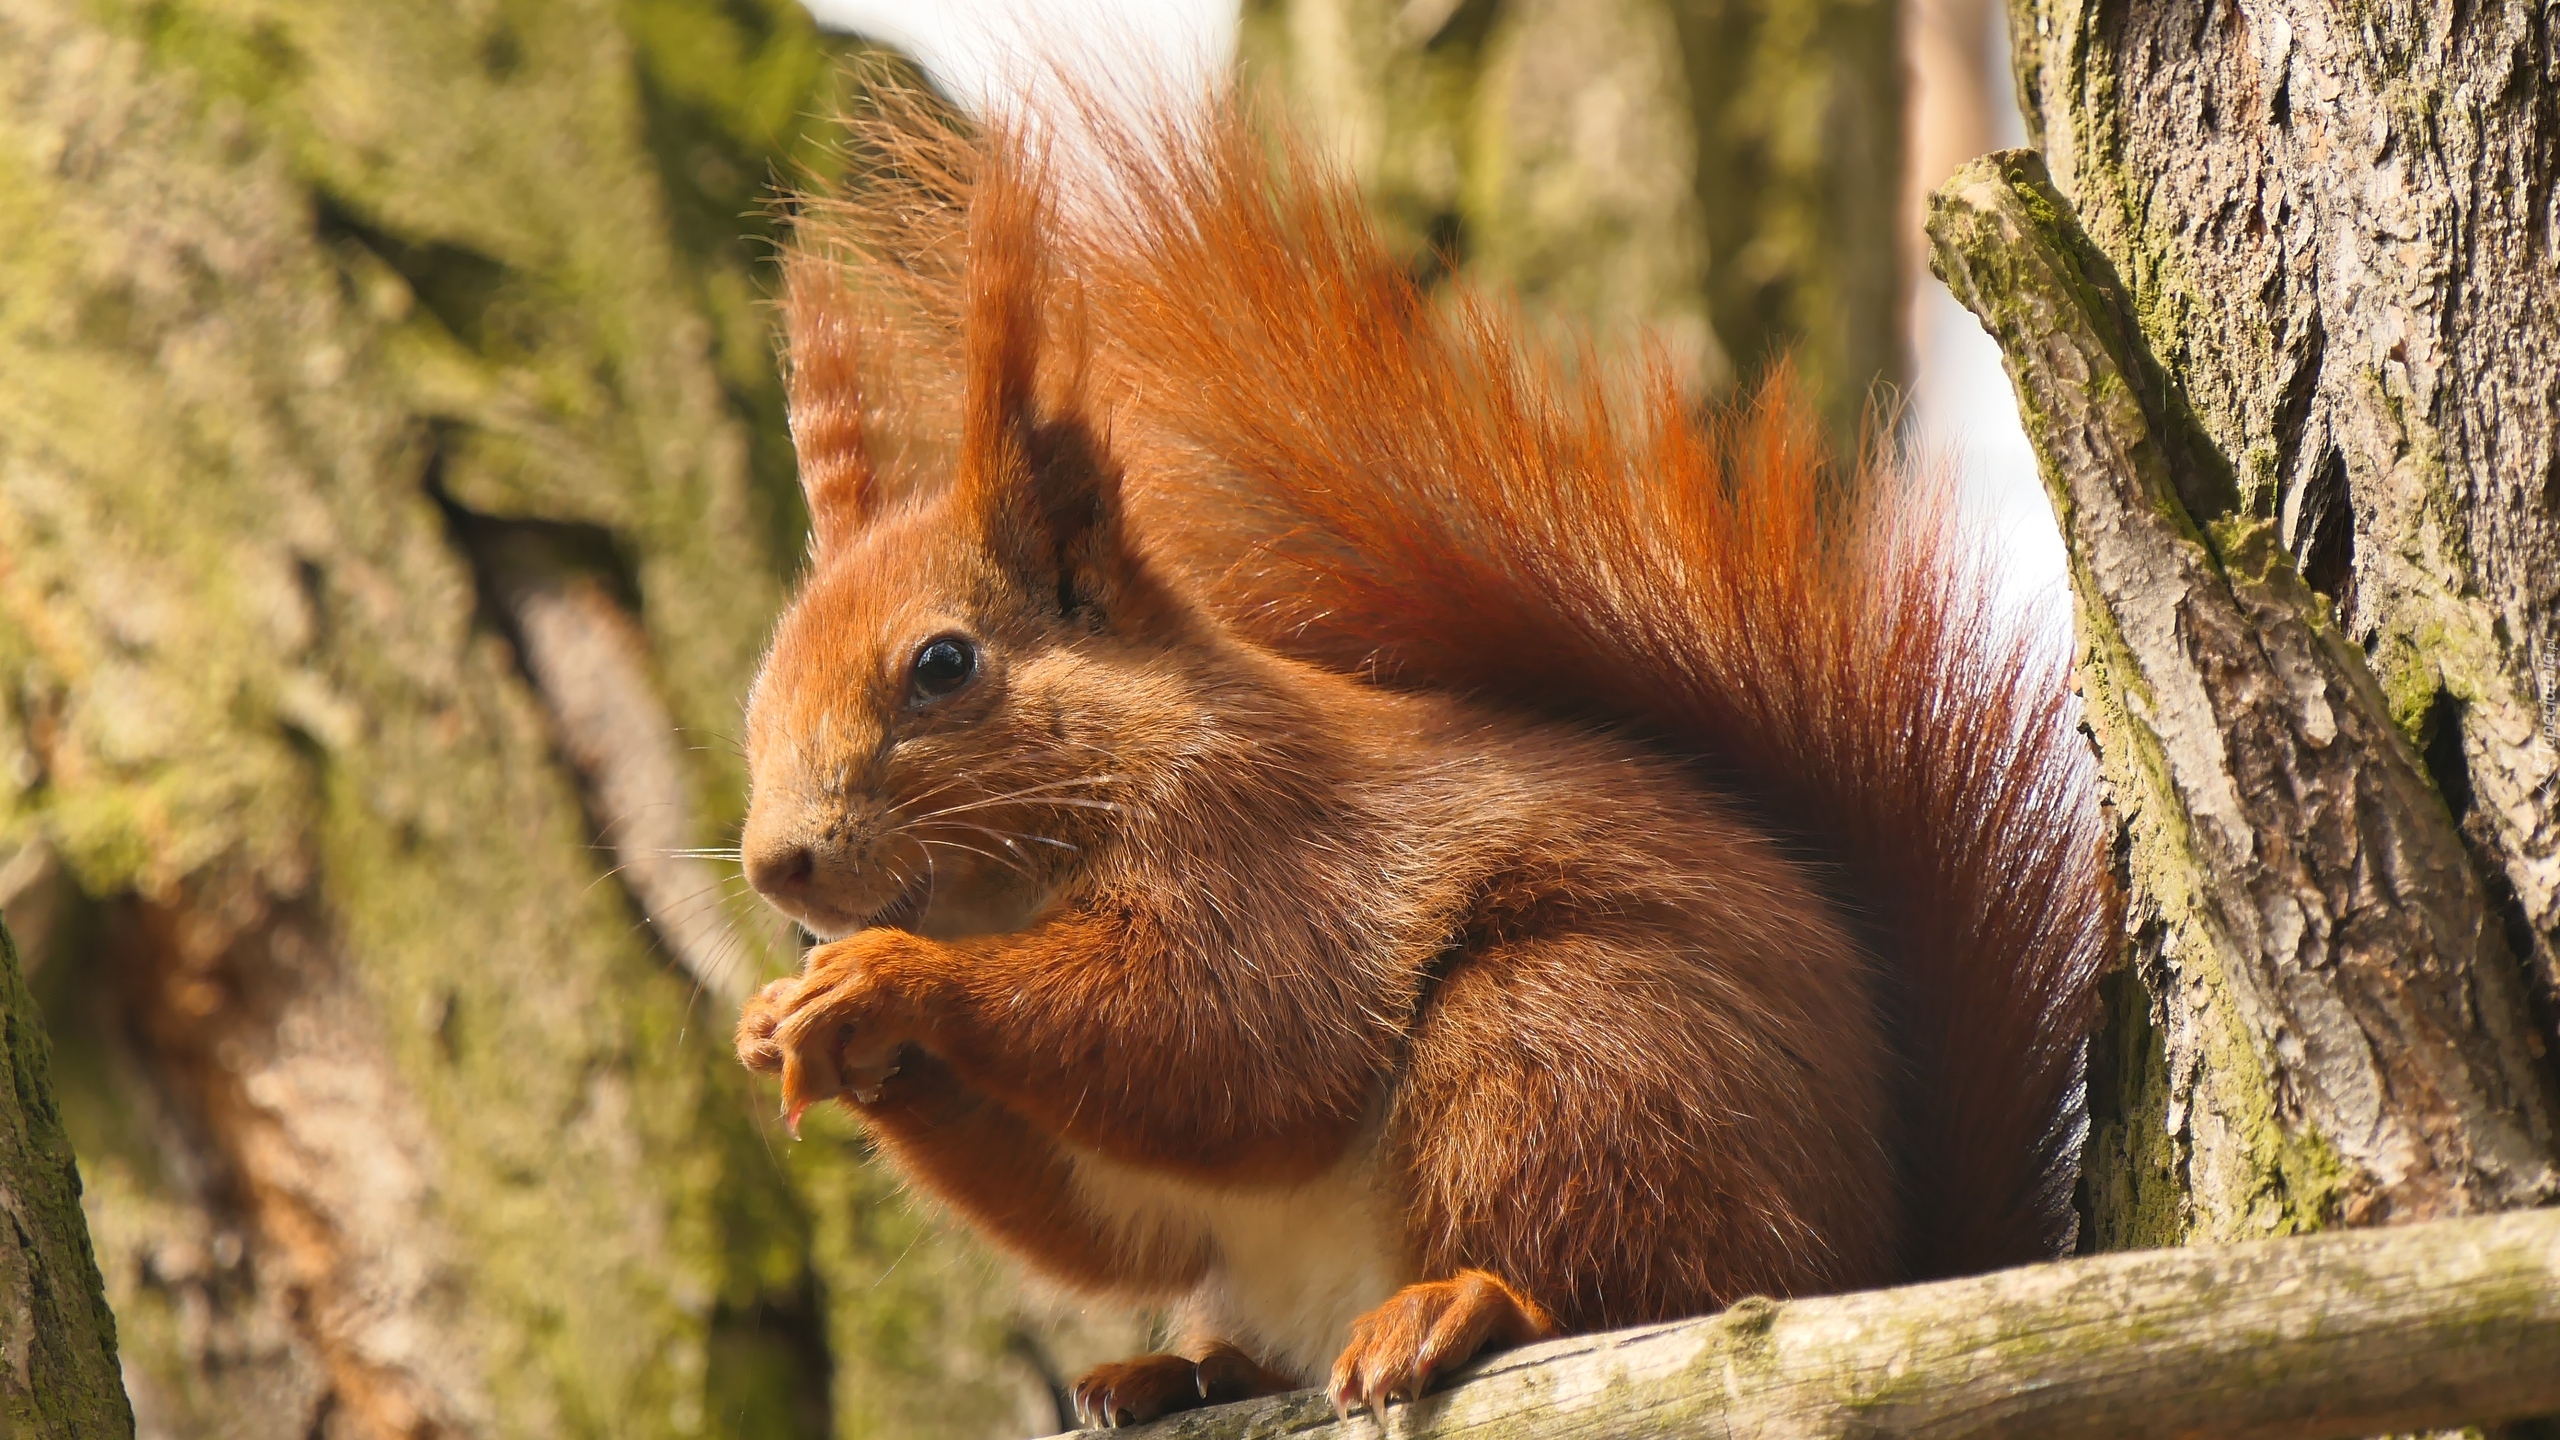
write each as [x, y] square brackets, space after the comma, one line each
[838, 387]
[1035, 467]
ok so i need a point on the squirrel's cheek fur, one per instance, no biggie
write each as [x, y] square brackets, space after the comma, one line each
[1445, 844]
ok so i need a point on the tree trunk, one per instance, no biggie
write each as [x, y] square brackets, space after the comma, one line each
[2290, 865]
[58, 1377]
[1724, 171]
[2316, 561]
[393, 496]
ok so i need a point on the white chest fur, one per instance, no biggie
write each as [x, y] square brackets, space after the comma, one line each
[1290, 1267]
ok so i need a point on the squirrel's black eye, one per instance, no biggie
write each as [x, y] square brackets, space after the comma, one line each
[943, 666]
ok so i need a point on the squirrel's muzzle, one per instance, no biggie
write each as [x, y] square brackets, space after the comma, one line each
[814, 863]
[782, 872]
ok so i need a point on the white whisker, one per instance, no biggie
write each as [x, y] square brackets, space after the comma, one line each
[1010, 837]
[1072, 801]
[1026, 794]
[1005, 860]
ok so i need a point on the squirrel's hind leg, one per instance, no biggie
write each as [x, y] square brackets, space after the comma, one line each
[1428, 1329]
[1128, 1392]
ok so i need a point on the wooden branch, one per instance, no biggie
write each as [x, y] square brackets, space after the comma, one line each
[58, 1377]
[2446, 1323]
[2284, 831]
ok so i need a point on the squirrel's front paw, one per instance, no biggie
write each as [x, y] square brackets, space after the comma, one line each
[833, 1030]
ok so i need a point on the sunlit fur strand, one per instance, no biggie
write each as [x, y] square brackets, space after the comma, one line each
[1630, 842]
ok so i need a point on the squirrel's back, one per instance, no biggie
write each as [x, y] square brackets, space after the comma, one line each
[1410, 487]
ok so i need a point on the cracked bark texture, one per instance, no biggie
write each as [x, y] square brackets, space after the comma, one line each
[1725, 172]
[2342, 1033]
[2336, 229]
[58, 1378]
[393, 497]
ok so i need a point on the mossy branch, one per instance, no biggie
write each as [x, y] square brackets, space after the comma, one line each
[58, 1377]
[2355, 1333]
[2313, 882]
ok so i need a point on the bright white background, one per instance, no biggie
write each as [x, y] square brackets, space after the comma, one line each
[972, 48]
[1961, 408]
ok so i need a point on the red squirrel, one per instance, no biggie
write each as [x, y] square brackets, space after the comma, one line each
[1381, 834]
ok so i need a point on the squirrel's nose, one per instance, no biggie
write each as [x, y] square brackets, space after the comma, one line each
[781, 870]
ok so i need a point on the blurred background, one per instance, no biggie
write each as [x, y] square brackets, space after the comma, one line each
[394, 496]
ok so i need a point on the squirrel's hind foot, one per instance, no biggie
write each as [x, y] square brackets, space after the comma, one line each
[1131, 1392]
[1426, 1330]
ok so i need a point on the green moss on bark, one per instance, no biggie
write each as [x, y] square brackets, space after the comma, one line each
[2132, 1192]
[2187, 1141]
[281, 285]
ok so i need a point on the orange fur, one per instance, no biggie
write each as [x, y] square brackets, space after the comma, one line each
[1428, 828]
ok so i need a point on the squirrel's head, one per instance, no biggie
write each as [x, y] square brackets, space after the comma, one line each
[942, 723]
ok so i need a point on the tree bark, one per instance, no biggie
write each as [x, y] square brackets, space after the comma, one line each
[1722, 171]
[393, 496]
[2454, 1322]
[2298, 880]
[2333, 230]
[58, 1378]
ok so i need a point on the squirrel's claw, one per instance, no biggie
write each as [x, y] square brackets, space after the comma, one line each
[1094, 1407]
[1131, 1392]
[808, 1074]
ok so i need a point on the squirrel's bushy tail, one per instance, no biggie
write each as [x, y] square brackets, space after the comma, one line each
[1409, 485]
[1414, 486]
